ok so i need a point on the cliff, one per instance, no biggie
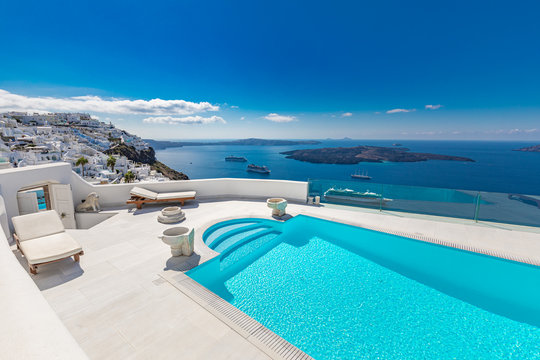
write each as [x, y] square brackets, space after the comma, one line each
[147, 156]
[534, 148]
[354, 155]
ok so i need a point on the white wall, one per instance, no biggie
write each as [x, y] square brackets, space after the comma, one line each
[11, 180]
[87, 220]
[206, 189]
[29, 328]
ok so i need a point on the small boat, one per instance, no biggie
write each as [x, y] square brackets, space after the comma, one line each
[354, 196]
[236, 158]
[361, 175]
[397, 144]
[258, 169]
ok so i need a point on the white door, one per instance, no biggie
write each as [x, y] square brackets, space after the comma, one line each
[62, 202]
[28, 203]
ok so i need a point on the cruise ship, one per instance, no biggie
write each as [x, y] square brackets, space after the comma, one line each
[258, 169]
[334, 194]
[236, 158]
[361, 175]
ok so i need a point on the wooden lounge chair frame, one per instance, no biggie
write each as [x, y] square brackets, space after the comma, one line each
[139, 200]
[33, 267]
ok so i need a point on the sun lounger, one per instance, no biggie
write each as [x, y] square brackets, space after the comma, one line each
[42, 239]
[140, 196]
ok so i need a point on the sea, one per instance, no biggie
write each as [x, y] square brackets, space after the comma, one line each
[496, 168]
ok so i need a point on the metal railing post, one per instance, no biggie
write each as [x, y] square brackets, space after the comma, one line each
[477, 208]
[381, 199]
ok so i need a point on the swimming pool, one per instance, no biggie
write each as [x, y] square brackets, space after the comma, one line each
[342, 292]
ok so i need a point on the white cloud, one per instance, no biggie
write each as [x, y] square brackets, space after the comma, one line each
[10, 101]
[234, 107]
[521, 131]
[243, 118]
[347, 114]
[198, 120]
[511, 131]
[433, 107]
[395, 111]
[279, 118]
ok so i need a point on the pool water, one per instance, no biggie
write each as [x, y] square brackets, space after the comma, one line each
[342, 292]
[42, 205]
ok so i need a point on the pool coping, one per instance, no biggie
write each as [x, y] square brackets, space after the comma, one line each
[434, 240]
[250, 329]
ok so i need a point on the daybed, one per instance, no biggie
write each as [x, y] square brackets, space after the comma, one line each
[140, 196]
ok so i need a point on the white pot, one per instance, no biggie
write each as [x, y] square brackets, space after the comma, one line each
[171, 211]
[171, 219]
[180, 239]
[277, 205]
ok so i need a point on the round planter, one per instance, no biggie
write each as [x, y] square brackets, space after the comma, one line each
[171, 211]
[180, 239]
[278, 206]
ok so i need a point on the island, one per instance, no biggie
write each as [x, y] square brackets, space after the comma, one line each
[357, 154]
[534, 148]
[162, 144]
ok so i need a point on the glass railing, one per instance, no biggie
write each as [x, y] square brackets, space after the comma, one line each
[507, 208]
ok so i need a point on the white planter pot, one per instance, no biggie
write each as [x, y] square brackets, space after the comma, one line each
[171, 211]
[171, 215]
[278, 206]
[180, 239]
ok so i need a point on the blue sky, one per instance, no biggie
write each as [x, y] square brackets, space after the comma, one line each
[279, 69]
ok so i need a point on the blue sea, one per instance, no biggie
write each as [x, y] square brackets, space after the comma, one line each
[496, 168]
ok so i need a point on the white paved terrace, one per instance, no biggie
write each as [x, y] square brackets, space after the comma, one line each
[117, 304]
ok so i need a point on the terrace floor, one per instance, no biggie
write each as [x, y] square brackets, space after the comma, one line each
[118, 303]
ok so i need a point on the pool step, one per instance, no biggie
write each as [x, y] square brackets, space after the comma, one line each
[228, 239]
[214, 232]
[247, 246]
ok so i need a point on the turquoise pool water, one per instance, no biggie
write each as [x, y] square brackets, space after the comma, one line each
[42, 205]
[342, 292]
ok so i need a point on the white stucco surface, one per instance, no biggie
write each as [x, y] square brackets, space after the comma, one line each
[206, 189]
[12, 180]
[29, 328]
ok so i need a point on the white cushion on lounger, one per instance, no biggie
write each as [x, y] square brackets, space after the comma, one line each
[50, 248]
[176, 195]
[36, 225]
[137, 191]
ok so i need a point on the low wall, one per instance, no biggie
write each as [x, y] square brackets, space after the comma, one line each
[29, 329]
[12, 180]
[87, 220]
[117, 194]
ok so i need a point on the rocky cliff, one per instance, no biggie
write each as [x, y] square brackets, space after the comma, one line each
[147, 156]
